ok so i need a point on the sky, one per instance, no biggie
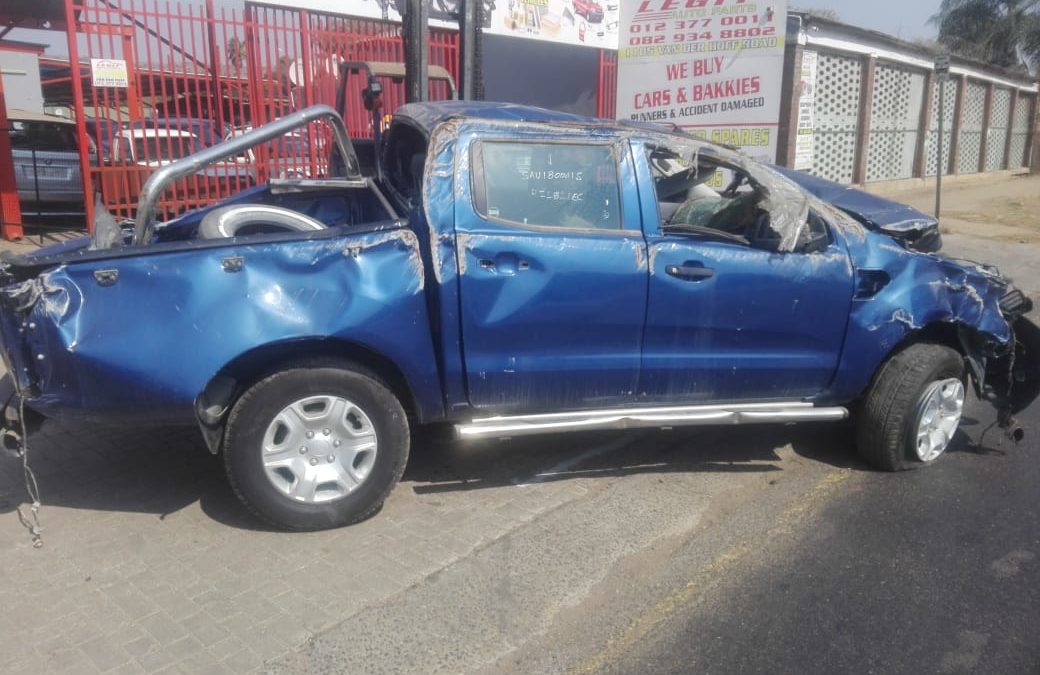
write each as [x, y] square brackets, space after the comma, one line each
[906, 19]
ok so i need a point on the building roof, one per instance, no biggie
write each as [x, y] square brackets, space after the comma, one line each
[25, 116]
[18, 46]
[814, 27]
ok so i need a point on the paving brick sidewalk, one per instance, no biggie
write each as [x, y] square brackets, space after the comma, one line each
[150, 564]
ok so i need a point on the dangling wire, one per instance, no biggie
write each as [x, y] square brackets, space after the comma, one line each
[31, 521]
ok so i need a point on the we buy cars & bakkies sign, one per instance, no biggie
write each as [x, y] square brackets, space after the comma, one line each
[713, 67]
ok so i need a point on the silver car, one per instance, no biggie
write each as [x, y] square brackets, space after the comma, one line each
[46, 163]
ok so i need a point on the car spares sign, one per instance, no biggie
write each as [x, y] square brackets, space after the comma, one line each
[712, 67]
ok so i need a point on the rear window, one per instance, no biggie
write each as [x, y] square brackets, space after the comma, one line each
[564, 185]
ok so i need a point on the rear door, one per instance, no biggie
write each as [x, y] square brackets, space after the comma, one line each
[552, 269]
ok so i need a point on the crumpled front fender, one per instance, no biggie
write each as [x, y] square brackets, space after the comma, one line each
[903, 295]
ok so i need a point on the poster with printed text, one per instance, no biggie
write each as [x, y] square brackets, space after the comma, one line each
[805, 142]
[109, 73]
[592, 23]
[712, 67]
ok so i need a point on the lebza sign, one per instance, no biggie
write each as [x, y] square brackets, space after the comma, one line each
[109, 73]
[712, 67]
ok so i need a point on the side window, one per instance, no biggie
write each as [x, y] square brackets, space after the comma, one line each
[565, 185]
[698, 196]
[54, 136]
[19, 134]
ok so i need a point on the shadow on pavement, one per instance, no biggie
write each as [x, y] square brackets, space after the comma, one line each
[161, 471]
[155, 471]
[456, 466]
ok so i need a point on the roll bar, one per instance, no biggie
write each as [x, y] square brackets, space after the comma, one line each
[144, 226]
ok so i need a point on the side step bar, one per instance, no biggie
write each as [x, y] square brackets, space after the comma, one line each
[637, 418]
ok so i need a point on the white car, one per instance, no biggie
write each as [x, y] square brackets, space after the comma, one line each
[155, 147]
[291, 153]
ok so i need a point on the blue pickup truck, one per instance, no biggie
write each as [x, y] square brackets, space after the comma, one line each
[506, 271]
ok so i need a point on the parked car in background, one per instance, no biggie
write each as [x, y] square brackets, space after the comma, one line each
[509, 271]
[46, 163]
[208, 132]
[154, 147]
[103, 132]
[289, 154]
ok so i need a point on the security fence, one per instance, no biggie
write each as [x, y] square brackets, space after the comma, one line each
[876, 109]
[159, 79]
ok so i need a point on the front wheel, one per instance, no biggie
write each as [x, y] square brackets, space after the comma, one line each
[316, 447]
[913, 408]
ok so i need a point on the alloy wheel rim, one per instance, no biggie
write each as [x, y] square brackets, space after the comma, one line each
[938, 415]
[319, 449]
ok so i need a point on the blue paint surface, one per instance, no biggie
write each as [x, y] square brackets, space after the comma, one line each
[477, 315]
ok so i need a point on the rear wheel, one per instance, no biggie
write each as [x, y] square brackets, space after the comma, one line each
[316, 447]
[913, 408]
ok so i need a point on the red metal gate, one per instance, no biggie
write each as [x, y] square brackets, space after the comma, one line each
[606, 96]
[197, 74]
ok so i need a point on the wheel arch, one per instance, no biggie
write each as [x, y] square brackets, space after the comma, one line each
[224, 388]
[963, 338]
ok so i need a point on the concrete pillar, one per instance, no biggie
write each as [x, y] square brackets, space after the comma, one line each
[866, 97]
[987, 118]
[787, 134]
[920, 159]
[955, 129]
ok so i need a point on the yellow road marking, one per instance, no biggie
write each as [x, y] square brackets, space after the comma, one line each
[657, 615]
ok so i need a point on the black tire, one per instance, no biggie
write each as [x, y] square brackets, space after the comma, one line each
[258, 406]
[887, 417]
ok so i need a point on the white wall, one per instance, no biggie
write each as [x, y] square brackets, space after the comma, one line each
[21, 73]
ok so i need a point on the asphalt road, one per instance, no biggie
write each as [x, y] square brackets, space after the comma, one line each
[936, 570]
[929, 571]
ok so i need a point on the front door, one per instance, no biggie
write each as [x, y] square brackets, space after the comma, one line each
[552, 269]
[730, 316]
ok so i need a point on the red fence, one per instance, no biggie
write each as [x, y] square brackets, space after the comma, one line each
[606, 97]
[196, 75]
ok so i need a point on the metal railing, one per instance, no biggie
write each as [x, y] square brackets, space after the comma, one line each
[158, 182]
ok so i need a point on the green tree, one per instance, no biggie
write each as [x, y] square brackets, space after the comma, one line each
[819, 13]
[236, 54]
[1001, 32]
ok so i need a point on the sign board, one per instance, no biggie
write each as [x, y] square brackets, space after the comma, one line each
[804, 143]
[109, 73]
[713, 67]
[942, 66]
[579, 22]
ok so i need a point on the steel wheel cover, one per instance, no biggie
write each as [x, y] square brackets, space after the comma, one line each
[319, 449]
[938, 415]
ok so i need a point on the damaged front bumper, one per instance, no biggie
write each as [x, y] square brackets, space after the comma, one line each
[1013, 379]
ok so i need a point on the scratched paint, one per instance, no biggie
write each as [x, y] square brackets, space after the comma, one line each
[483, 315]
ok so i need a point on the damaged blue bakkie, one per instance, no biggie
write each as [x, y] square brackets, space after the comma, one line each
[503, 270]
